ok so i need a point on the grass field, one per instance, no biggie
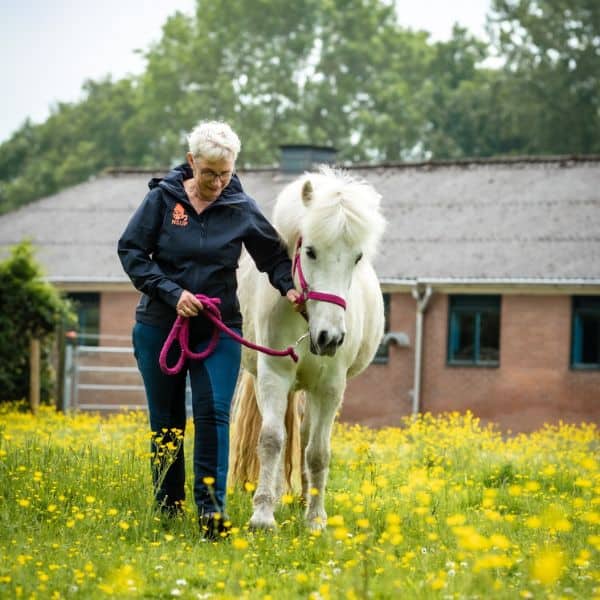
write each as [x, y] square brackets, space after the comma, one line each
[437, 508]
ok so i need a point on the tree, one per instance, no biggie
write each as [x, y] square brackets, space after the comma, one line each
[361, 93]
[77, 141]
[552, 71]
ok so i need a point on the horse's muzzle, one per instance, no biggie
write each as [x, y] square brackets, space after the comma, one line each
[326, 344]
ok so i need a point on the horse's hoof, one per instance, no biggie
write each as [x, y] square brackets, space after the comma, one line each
[317, 522]
[258, 522]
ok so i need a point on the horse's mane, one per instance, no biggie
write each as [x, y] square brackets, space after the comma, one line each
[342, 206]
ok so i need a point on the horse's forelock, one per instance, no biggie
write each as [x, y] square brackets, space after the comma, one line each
[344, 207]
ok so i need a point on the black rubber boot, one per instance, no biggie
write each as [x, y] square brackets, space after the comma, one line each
[214, 526]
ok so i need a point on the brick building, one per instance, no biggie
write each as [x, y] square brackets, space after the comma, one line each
[490, 271]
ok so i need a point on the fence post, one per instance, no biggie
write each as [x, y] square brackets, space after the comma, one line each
[59, 391]
[67, 399]
[34, 375]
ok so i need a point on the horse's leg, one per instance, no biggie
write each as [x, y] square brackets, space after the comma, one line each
[304, 438]
[318, 455]
[272, 391]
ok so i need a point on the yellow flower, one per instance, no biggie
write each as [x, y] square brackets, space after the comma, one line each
[24, 503]
[515, 490]
[563, 525]
[90, 499]
[453, 520]
[249, 486]
[367, 488]
[208, 480]
[533, 522]
[124, 525]
[335, 521]
[301, 577]
[437, 584]
[547, 567]
[363, 523]
[392, 519]
[239, 543]
[583, 560]
[589, 463]
[287, 499]
[500, 541]
[594, 540]
[423, 498]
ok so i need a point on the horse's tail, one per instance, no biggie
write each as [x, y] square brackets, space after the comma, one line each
[245, 432]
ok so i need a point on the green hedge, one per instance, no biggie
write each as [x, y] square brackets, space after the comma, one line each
[29, 308]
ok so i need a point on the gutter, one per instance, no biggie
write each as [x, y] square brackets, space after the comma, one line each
[421, 294]
[564, 281]
[86, 279]
[525, 285]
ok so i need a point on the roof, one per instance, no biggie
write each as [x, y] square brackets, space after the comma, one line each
[529, 219]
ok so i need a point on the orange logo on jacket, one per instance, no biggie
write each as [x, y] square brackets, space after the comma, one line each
[179, 217]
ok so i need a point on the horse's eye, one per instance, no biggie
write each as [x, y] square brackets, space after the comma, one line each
[310, 252]
[358, 258]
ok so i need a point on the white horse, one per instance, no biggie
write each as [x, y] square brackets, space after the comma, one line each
[332, 222]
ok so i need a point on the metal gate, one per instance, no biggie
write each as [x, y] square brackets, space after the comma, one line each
[99, 377]
[104, 378]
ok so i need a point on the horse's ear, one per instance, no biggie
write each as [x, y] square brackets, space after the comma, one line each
[307, 192]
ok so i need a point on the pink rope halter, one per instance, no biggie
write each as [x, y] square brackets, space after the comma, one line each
[181, 332]
[307, 293]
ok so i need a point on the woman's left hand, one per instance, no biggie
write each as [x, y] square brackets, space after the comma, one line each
[294, 296]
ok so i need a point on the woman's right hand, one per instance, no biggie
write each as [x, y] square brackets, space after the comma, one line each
[188, 305]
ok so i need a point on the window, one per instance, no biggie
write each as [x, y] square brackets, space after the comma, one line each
[585, 346]
[87, 308]
[474, 330]
[382, 354]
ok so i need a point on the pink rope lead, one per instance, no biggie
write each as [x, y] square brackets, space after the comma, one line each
[181, 332]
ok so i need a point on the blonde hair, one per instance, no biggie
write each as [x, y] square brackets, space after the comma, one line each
[214, 140]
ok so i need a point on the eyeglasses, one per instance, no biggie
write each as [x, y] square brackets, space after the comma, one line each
[211, 176]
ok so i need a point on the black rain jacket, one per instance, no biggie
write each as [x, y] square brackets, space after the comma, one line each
[167, 247]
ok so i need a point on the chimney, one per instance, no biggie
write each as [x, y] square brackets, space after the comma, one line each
[297, 158]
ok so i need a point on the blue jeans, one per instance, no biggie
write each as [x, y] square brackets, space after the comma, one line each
[213, 382]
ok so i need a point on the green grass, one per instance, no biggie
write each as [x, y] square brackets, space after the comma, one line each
[437, 508]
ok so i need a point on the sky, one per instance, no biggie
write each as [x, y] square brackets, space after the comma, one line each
[48, 48]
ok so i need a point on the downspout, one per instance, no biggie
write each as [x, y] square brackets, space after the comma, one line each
[421, 294]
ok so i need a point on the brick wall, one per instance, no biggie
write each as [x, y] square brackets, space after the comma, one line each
[533, 383]
[117, 315]
[380, 395]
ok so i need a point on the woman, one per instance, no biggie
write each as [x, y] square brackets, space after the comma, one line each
[184, 239]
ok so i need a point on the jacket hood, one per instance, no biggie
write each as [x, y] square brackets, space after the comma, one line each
[173, 183]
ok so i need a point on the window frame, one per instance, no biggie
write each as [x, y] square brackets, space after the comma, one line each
[82, 302]
[479, 304]
[587, 305]
[382, 355]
